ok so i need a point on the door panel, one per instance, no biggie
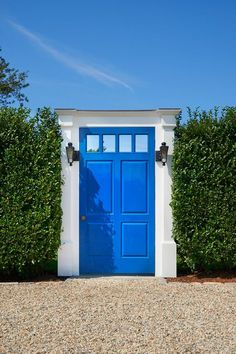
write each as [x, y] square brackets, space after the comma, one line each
[134, 240]
[134, 186]
[117, 200]
[97, 238]
[99, 187]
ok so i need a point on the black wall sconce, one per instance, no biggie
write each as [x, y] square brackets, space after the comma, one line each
[161, 155]
[72, 154]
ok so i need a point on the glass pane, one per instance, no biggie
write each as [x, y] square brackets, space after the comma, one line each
[141, 143]
[125, 143]
[109, 143]
[92, 143]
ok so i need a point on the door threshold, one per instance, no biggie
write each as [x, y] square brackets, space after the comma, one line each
[118, 277]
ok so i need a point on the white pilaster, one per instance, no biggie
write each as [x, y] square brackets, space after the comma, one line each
[165, 247]
[68, 253]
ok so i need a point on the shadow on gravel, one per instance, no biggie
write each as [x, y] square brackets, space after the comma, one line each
[40, 278]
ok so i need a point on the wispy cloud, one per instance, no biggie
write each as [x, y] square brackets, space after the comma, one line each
[70, 62]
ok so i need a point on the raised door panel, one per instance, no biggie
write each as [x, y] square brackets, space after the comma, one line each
[100, 239]
[134, 240]
[134, 186]
[99, 181]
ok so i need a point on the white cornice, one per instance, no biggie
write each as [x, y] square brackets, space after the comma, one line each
[119, 113]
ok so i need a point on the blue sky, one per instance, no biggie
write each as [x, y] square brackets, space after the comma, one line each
[123, 54]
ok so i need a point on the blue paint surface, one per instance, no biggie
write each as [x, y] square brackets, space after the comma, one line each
[117, 199]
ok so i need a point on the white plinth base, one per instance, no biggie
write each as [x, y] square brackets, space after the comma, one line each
[167, 260]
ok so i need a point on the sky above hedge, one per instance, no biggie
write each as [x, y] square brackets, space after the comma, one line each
[133, 54]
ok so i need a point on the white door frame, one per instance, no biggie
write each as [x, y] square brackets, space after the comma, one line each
[164, 122]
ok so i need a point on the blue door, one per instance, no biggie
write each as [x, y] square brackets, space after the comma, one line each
[117, 201]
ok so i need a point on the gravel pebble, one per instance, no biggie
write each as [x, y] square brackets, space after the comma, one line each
[99, 315]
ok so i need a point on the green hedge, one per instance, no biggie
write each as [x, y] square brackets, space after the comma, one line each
[204, 190]
[30, 190]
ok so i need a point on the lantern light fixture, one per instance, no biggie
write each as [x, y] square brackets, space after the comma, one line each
[161, 155]
[72, 154]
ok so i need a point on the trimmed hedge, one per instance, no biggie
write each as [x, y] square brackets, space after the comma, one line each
[204, 190]
[30, 190]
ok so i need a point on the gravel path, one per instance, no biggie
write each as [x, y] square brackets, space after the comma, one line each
[107, 315]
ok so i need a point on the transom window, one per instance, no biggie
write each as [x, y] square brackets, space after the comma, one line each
[141, 143]
[123, 143]
[109, 143]
[92, 143]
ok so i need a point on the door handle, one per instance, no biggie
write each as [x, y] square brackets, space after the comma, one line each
[83, 217]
